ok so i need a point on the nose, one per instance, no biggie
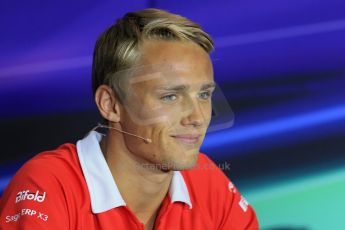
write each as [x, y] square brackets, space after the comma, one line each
[194, 114]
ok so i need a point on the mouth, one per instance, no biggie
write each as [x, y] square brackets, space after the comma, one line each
[187, 138]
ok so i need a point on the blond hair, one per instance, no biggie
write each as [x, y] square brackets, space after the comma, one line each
[118, 47]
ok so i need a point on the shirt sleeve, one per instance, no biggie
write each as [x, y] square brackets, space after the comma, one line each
[238, 213]
[34, 199]
[230, 209]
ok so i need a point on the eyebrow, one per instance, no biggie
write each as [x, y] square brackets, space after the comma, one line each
[184, 87]
[208, 85]
[174, 88]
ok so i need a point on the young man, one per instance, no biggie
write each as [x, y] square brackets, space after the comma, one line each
[152, 82]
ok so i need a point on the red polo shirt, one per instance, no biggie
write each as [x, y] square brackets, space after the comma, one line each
[72, 188]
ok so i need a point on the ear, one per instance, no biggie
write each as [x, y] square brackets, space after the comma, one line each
[108, 103]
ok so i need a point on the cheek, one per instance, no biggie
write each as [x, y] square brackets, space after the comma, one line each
[157, 115]
[162, 144]
[150, 112]
[207, 111]
[209, 117]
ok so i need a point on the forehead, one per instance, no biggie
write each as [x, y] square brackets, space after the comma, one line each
[172, 61]
[161, 75]
[183, 53]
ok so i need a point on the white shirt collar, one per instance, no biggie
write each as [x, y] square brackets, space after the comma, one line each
[103, 190]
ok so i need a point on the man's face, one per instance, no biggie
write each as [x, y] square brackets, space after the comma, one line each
[168, 100]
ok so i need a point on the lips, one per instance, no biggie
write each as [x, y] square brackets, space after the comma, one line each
[187, 138]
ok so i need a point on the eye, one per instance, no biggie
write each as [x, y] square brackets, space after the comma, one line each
[205, 95]
[169, 97]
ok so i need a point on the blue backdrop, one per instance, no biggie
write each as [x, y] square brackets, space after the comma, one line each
[280, 65]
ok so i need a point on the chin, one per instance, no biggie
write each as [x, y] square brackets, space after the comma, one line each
[185, 164]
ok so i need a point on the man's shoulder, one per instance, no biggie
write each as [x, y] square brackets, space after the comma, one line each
[63, 156]
[55, 172]
[59, 164]
[51, 183]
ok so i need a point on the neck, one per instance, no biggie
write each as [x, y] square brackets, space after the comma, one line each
[142, 188]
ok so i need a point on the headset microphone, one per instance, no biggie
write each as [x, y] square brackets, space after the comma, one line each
[147, 140]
